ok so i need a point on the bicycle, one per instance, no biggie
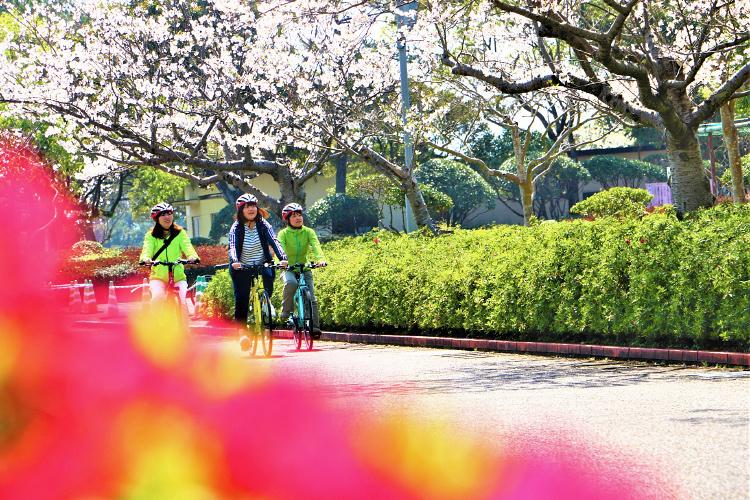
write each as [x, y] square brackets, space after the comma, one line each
[260, 319]
[172, 292]
[302, 314]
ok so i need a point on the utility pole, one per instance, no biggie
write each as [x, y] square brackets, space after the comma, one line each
[405, 21]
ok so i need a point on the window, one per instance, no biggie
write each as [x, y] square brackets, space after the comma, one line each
[196, 221]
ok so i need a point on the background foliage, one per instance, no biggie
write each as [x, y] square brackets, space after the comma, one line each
[654, 281]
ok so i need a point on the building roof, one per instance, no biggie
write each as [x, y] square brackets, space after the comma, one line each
[743, 127]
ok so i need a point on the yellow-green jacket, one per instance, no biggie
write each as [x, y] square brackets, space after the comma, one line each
[299, 243]
[178, 247]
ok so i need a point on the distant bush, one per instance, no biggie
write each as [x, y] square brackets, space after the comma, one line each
[221, 223]
[120, 264]
[611, 171]
[466, 189]
[620, 202]
[344, 214]
[201, 241]
[218, 299]
[114, 272]
[86, 247]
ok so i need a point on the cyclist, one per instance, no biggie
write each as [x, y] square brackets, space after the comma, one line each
[167, 242]
[299, 241]
[252, 241]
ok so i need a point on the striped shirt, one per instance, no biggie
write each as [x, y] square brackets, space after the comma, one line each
[252, 251]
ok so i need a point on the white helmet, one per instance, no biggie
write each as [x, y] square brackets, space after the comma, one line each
[246, 198]
[159, 208]
[290, 209]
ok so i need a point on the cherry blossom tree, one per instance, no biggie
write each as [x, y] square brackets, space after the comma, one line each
[217, 91]
[644, 61]
[181, 86]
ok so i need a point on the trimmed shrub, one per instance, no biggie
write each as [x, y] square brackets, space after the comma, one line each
[466, 188]
[620, 202]
[611, 171]
[86, 247]
[654, 281]
[201, 241]
[218, 299]
[222, 222]
[344, 214]
[114, 264]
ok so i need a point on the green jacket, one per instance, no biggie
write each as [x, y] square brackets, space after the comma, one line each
[177, 248]
[298, 244]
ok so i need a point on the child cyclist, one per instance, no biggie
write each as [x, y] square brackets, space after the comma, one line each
[166, 242]
[299, 241]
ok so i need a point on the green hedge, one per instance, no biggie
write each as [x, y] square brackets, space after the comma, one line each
[651, 282]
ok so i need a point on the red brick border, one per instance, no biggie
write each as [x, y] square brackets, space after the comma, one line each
[599, 351]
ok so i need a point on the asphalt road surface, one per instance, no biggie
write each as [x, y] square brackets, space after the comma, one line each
[689, 424]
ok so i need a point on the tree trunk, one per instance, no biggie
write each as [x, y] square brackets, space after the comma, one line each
[229, 192]
[690, 187]
[341, 161]
[733, 151]
[527, 201]
[418, 206]
[291, 191]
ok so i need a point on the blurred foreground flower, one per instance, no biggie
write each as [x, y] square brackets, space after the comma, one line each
[143, 411]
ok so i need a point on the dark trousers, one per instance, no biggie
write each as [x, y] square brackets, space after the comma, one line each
[241, 283]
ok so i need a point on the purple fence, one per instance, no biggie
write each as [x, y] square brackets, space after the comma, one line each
[662, 193]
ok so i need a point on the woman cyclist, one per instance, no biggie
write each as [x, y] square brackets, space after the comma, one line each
[299, 241]
[252, 242]
[167, 242]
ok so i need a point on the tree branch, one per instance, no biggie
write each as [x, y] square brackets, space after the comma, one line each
[722, 95]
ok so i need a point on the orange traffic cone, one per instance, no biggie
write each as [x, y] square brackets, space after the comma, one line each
[112, 306]
[74, 299]
[89, 300]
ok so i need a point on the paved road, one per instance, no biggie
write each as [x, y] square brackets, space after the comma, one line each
[690, 424]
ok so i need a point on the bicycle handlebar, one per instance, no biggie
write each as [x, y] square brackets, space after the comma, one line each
[301, 267]
[169, 264]
[311, 265]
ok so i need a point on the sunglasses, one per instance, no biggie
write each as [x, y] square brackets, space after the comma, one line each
[166, 212]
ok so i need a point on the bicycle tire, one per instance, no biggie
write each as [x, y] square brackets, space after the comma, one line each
[252, 325]
[307, 323]
[297, 332]
[266, 324]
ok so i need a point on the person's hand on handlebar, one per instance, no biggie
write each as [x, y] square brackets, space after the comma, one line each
[147, 262]
[193, 261]
[284, 264]
[236, 265]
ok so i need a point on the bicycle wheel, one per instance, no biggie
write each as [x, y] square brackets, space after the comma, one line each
[297, 332]
[253, 325]
[307, 323]
[266, 324]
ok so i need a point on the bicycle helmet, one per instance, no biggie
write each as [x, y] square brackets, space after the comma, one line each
[159, 208]
[290, 209]
[246, 198]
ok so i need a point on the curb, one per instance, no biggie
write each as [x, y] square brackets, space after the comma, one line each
[508, 346]
[596, 351]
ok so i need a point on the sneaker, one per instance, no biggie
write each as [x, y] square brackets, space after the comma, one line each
[316, 333]
[245, 343]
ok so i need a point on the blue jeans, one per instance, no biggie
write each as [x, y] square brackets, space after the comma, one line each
[241, 285]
